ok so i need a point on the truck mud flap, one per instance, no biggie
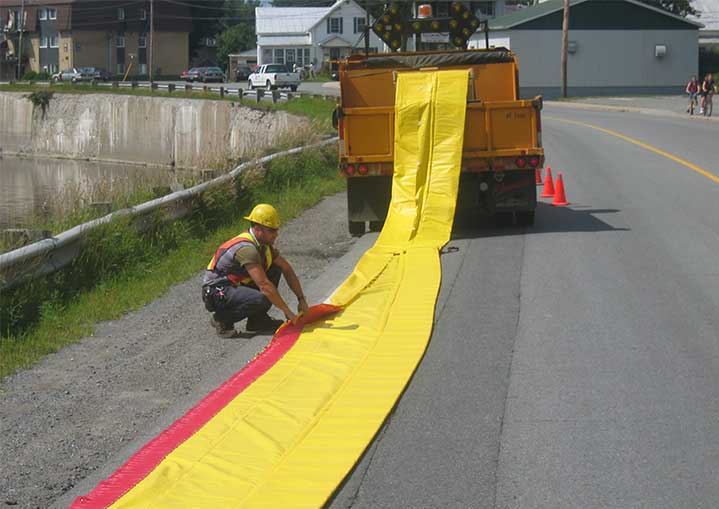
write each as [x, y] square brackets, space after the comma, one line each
[492, 192]
[368, 198]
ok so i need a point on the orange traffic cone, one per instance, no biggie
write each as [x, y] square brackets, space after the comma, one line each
[548, 185]
[538, 176]
[560, 200]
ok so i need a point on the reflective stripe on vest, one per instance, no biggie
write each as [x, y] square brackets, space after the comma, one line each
[237, 274]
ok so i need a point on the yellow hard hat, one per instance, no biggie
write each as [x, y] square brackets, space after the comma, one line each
[266, 215]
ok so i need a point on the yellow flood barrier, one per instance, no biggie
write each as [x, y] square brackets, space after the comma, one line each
[289, 436]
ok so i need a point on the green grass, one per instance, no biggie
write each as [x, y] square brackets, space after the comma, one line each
[121, 269]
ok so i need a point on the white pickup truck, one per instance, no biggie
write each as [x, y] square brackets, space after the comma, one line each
[272, 77]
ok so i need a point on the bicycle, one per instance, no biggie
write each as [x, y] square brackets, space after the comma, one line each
[692, 103]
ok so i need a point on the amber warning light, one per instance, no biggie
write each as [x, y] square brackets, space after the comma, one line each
[424, 11]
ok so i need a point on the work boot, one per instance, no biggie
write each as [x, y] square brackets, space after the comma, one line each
[262, 323]
[223, 330]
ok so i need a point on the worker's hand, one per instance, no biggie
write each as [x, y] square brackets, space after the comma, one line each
[293, 318]
[302, 306]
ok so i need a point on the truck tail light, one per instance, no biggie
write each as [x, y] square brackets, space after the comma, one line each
[350, 170]
[362, 170]
[533, 162]
[521, 162]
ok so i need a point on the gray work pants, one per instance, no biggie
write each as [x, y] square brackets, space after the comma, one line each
[244, 301]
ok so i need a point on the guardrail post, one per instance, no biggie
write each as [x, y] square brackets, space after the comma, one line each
[153, 85]
[259, 94]
[115, 84]
[188, 87]
[205, 88]
[171, 87]
[135, 84]
[222, 92]
[275, 96]
[290, 96]
[240, 93]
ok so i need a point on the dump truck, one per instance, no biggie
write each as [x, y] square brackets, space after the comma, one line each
[502, 138]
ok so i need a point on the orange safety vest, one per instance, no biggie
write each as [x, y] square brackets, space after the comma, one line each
[224, 263]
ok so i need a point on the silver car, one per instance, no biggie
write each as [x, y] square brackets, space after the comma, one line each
[74, 75]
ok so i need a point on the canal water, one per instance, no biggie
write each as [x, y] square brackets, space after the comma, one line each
[36, 187]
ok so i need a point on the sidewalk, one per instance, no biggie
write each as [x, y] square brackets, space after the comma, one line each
[659, 105]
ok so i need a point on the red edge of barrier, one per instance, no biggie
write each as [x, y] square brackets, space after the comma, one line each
[145, 460]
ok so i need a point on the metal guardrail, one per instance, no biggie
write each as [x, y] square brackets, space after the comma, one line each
[257, 94]
[51, 254]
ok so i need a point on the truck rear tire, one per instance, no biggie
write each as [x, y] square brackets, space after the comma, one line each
[293, 88]
[356, 228]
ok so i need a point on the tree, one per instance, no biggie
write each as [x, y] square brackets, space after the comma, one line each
[235, 39]
[679, 7]
[302, 3]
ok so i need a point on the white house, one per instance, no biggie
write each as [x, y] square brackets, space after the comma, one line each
[311, 35]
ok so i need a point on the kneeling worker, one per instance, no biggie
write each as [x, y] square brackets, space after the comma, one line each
[241, 279]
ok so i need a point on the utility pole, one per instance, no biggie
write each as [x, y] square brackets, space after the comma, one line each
[20, 28]
[152, 35]
[565, 41]
[366, 28]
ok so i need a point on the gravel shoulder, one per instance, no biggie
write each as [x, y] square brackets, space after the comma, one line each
[76, 416]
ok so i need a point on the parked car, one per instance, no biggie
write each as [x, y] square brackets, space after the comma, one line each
[190, 75]
[242, 72]
[97, 73]
[74, 75]
[211, 74]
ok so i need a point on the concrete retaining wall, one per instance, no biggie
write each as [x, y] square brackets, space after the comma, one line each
[182, 132]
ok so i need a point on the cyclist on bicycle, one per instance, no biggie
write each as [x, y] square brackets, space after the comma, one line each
[707, 90]
[692, 89]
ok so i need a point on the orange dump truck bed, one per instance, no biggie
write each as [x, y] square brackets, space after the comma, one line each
[502, 142]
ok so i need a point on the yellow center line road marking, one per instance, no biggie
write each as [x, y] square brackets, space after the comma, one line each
[674, 158]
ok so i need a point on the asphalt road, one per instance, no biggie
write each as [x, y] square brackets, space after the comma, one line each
[576, 363]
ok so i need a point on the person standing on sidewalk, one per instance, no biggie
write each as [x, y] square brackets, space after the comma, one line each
[242, 277]
[707, 90]
[692, 89]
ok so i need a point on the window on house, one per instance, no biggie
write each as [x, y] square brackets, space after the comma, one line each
[120, 41]
[142, 68]
[44, 42]
[290, 56]
[143, 14]
[52, 14]
[121, 13]
[142, 41]
[334, 25]
[307, 56]
[359, 24]
[279, 56]
[54, 41]
[266, 56]
[42, 14]
[120, 68]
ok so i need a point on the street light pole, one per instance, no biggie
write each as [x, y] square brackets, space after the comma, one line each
[565, 42]
[152, 35]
